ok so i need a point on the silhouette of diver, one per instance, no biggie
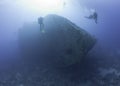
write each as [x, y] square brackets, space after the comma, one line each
[40, 21]
[93, 16]
[64, 4]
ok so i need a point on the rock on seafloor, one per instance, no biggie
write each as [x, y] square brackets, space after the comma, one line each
[62, 44]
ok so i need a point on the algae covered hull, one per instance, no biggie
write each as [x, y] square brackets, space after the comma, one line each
[62, 43]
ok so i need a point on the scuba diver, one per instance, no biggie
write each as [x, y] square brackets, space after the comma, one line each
[40, 21]
[93, 16]
[64, 4]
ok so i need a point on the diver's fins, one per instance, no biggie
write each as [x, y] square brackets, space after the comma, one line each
[89, 17]
[42, 30]
[96, 21]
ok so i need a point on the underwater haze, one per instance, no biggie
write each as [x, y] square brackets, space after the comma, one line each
[101, 65]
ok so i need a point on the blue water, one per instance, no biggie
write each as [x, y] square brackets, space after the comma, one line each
[105, 55]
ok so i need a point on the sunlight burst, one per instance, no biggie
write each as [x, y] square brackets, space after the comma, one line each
[43, 5]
